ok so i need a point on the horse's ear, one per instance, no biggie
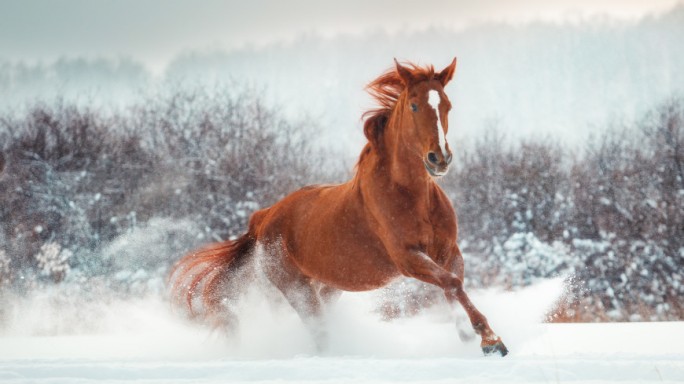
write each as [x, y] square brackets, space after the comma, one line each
[404, 73]
[447, 73]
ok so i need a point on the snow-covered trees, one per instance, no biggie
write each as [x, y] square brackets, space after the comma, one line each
[629, 192]
[612, 216]
[76, 179]
[113, 198]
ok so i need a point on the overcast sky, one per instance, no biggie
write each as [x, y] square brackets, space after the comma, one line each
[155, 31]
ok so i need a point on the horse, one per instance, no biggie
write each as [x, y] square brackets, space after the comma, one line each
[390, 219]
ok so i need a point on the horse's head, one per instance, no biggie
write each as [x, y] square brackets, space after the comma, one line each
[427, 106]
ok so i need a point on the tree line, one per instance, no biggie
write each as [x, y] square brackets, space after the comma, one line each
[79, 187]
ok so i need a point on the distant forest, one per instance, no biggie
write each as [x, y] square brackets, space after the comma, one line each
[566, 79]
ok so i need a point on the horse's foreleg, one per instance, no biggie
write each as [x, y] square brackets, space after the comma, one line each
[491, 343]
[455, 264]
[418, 265]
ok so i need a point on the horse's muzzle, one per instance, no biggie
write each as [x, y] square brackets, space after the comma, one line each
[436, 164]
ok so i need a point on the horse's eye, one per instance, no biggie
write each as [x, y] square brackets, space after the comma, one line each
[414, 107]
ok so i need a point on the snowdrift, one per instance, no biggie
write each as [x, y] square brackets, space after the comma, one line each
[142, 340]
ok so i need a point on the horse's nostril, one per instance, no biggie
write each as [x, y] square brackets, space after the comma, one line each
[432, 157]
[449, 158]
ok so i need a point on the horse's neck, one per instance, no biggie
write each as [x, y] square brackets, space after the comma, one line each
[404, 163]
[393, 166]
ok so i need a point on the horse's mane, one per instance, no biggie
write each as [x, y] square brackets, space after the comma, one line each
[386, 90]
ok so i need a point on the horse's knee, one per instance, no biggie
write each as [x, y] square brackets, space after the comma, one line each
[459, 267]
[454, 289]
[454, 262]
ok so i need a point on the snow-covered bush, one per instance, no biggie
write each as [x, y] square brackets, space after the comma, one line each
[623, 280]
[53, 261]
[500, 189]
[526, 259]
[4, 269]
[89, 179]
[610, 218]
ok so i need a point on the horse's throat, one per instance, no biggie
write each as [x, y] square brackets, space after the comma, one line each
[407, 167]
[400, 161]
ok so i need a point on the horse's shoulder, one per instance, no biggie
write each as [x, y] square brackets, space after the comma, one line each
[442, 210]
[440, 198]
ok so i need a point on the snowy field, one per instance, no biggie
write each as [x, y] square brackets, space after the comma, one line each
[142, 341]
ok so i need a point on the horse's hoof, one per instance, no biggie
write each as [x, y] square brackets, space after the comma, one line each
[494, 348]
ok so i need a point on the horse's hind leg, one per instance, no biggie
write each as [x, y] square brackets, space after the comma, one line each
[299, 290]
[225, 299]
[303, 298]
[328, 294]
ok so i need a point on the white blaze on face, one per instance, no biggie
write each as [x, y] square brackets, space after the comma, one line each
[434, 99]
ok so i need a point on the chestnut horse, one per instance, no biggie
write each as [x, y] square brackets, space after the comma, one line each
[391, 219]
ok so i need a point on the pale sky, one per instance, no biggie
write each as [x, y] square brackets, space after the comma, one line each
[155, 31]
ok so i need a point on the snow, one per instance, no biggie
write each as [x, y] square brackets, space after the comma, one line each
[53, 260]
[143, 341]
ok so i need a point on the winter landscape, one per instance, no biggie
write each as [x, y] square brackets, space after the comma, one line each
[117, 158]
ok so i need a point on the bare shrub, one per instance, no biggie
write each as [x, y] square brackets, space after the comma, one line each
[222, 156]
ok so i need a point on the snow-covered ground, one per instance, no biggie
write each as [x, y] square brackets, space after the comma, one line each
[142, 341]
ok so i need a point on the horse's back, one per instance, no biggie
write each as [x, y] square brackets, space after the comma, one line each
[270, 223]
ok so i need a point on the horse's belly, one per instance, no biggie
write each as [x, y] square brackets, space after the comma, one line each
[328, 237]
[350, 267]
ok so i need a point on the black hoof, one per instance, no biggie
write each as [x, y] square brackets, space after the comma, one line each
[494, 348]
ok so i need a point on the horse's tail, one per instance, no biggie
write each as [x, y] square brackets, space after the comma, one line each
[201, 275]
